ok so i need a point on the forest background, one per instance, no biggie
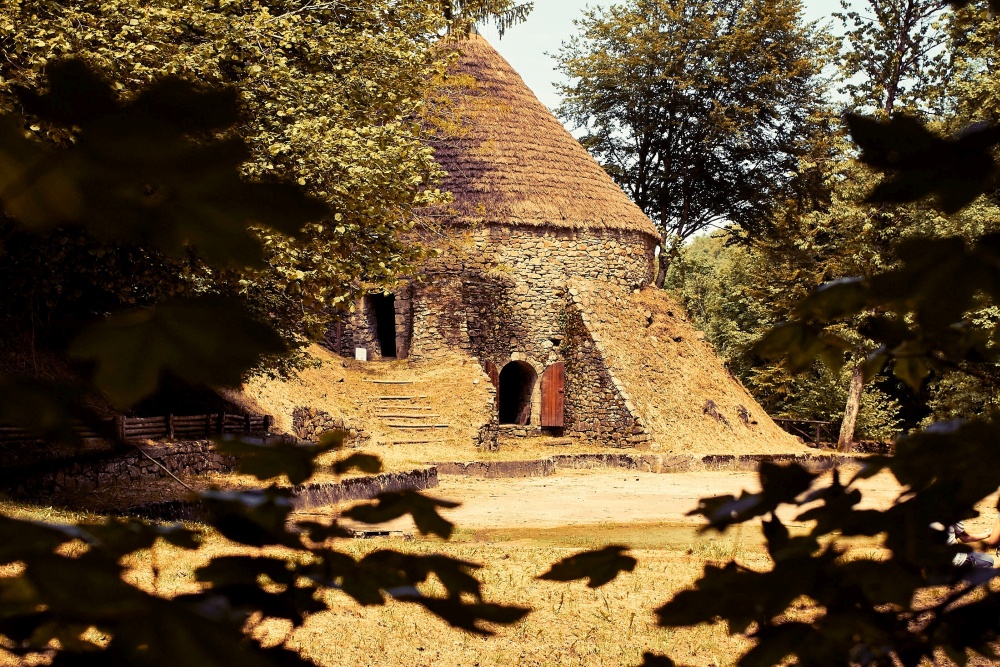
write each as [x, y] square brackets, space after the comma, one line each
[728, 134]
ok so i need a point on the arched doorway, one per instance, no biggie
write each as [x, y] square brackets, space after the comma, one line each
[517, 380]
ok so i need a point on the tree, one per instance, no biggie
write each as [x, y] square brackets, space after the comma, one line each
[894, 57]
[893, 60]
[162, 163]
[736, 293]
[330, 98]
[913, 606]
[699, 109]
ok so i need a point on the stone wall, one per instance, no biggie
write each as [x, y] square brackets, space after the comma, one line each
[360, 327]
[596, 408]
[310, 423]
[504, 293]
[503, 298]
[307, 496]
[182, 458]
[655, 463]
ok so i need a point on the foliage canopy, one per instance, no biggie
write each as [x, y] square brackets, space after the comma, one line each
[699, 109]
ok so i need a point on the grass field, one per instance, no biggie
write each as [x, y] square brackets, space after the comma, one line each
[570, 625]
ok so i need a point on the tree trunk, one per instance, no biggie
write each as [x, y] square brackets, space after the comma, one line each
[663, 263]
[846, 440]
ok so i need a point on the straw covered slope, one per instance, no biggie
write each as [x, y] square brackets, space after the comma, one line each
[685, 397]
[453, 385]
[511, 162]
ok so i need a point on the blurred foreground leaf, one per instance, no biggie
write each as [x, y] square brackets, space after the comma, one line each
[144, 170]
[205, 340]
[269, 460]
[920, 164]
[600, 567]
[393, 505]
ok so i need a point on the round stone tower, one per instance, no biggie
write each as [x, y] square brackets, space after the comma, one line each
[539, 276]
[531, 210]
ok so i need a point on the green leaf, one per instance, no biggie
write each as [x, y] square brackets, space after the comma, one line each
[600, 567]
[396, 504]
[780, 484]
[51, 410]
[834, 300]
[654, 660]
[205, 340]
[874, 363]
[134, 172]
[912, 370]
[799, 344]
[322, 532]
[22, 540]
[36, 188]
[255, 518]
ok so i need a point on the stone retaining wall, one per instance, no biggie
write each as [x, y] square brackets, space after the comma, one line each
[129, 465]
[499, 469]
[307, 496]
[310, 423]
[656, 463]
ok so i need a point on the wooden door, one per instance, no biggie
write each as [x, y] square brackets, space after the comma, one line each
[553, 394]
[494, 373]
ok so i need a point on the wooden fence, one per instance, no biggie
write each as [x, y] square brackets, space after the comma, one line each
[174, 427]
[810, 430]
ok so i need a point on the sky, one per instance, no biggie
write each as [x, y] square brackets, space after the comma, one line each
[526, 46]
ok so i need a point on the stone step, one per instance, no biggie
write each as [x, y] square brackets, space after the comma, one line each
[396, 415]
[417, 442]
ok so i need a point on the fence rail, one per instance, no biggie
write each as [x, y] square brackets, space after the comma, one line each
[186, 427]
[809, 429]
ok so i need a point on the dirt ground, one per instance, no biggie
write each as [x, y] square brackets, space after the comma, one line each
[590, 498]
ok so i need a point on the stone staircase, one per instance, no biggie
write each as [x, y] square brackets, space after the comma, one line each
[403, 412]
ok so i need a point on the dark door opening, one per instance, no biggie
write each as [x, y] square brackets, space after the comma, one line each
[384, 308]
[517, 379]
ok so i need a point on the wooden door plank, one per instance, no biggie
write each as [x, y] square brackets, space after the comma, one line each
[553, 390]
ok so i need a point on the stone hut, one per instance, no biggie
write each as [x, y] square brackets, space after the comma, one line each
[547, 244]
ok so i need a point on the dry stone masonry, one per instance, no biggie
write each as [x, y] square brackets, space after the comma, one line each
[132, 465]
[309, 424]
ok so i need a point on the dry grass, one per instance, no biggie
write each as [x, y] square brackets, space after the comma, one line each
[669, 372]
[570, 623]
[453, 386]
[514, 163]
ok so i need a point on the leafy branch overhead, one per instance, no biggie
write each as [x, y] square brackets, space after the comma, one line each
[175, 205]
[143, 170]
[918, 163]
[916, 311]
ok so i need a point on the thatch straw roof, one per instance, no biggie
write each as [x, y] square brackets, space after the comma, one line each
[512, 162]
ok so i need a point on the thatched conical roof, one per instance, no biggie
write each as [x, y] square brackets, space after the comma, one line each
[514, 163]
